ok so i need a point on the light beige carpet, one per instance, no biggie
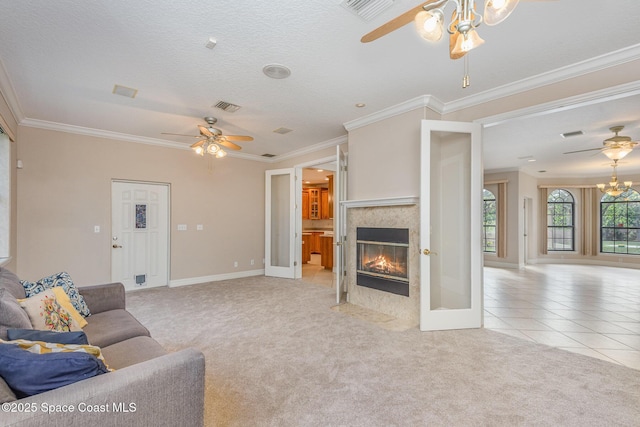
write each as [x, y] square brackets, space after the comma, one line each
[277, 355]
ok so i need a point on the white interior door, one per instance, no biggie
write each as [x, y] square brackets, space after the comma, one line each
[340, 222]
[280, 222]
[450, 226]
[139, 234]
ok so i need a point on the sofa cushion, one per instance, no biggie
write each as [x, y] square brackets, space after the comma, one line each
[59, 279]
[10, 282]
[110, 327]
[29, 373]
[6, 394]
[11, 314]
[132, 351]
[77, 337]
[47, 314]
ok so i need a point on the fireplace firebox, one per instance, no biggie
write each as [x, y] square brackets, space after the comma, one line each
[382, 259]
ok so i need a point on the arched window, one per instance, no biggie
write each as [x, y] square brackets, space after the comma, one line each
[620, 223]
[488, 221]
[560, 221]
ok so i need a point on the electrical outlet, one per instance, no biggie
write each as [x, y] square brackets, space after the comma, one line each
[182, 227]
[199, 227]
[253, 262]
[96, 229]
[235, 263]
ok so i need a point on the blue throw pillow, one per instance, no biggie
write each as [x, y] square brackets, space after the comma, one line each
[60, 279]
[29, 373]
[77, 337]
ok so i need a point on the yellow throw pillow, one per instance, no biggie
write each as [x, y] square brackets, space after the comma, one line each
[46, 313]
[64, 300]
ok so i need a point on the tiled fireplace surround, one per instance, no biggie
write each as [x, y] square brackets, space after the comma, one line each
[386, 213]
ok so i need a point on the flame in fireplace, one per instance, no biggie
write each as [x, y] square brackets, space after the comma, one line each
[381, 265]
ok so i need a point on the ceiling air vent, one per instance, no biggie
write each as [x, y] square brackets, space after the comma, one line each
[570, 134]
[367, 9]
[227, 106]
[282, 131]
[268, 155]
[129, 92]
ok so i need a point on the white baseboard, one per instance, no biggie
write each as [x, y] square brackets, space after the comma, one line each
[215, 278]
[586, 262]
[496, 264]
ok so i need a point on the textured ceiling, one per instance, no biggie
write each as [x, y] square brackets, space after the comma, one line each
[63, 58]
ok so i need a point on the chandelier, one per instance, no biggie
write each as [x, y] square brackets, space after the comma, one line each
[615, 189]
[462, 29]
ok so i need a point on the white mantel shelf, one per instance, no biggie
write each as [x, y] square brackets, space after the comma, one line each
[390, 201]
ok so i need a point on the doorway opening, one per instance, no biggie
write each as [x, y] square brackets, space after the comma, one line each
[317, 216]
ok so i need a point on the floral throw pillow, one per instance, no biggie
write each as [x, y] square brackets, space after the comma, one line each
[60, 279]
[47, 314]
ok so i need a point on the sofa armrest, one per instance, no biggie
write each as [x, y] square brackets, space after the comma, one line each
[99, 298]
[167, 390]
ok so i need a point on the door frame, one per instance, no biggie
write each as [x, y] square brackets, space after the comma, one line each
[168, 231]
[298, 189]
[287, 272]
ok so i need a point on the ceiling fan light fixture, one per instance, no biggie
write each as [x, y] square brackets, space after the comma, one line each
[430, 24]
[496, 11]
[199, 150]
[467, 42]
[213, 148]
[221, 153]
[617, 153]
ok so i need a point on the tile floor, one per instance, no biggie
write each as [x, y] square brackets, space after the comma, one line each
[591, 310]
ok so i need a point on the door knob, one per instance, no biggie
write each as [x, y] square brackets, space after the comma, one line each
[426, 252]
[116, 246]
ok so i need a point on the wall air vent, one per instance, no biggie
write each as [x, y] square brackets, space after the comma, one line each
[367, 9]
[570, 134]
[268, 155]
[227, 106]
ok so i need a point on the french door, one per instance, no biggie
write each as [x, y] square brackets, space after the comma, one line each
[450, 226]
[280, 223]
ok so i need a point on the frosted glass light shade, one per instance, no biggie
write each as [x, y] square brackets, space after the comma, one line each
[430, 24]
[617, 153]
[496, 11]
[221, 153]
[468, 41]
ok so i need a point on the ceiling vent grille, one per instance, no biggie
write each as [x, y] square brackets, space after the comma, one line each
[367, 9]
[282, 131]
[570, 134]
[124, 91]
[227, 106]
[268, 155]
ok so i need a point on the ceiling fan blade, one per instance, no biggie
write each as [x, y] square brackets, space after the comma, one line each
[199, 143]
[228, 144]
[204, 131]
[239, 137]
[394, 24]
[582, 151]
[180, 134]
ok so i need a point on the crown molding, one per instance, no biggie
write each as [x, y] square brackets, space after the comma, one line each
[598, 63]
[428, 101]
[310, 149]
[558, 105]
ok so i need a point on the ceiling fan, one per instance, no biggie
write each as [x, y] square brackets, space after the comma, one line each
[213, 139]
[615, 147]
[429, 18]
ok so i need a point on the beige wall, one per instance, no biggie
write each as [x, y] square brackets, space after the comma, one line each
[384, 157]
[64, 190]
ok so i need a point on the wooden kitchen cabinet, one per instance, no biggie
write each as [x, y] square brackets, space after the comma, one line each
[305, 204]
[306, 247]
[314, 203]
[324, 203]
[314, 246]
[326, 252]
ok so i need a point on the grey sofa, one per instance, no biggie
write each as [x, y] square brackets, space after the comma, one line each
[149, 386]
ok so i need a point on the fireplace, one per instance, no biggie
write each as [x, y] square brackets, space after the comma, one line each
[382, 259]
